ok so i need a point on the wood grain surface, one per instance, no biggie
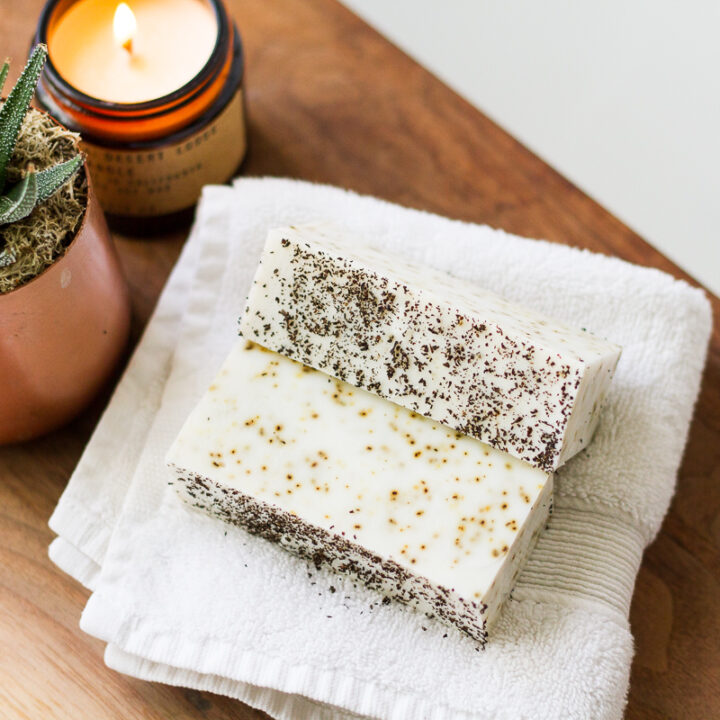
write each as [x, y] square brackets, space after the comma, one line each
[330, 100]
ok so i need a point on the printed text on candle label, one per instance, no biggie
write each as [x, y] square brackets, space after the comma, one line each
[168, 179]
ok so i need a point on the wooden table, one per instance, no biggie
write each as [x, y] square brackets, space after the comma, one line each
[331, 100]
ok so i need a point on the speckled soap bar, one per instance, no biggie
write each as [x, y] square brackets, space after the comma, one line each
[421, 513]
[432, 343]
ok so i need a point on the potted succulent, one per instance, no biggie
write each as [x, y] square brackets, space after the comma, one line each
[64, 305]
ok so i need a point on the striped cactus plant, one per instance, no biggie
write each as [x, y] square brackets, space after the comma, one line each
[18, 201]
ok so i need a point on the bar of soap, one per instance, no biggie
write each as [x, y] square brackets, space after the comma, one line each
[432, 343]
[338, 475]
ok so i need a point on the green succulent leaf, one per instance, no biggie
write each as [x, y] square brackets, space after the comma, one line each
[14, 108]
[48, 181]
[6, 258]
[20, 201]
[34, 188]
[3, 74]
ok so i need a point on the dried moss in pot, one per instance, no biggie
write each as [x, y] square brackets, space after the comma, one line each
[41, 203]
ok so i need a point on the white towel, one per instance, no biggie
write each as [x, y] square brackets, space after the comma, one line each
[183, 599]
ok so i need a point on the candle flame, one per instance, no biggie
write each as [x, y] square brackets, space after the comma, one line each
[124, 26]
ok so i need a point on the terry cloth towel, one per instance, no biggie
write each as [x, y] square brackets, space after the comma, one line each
[184, 599]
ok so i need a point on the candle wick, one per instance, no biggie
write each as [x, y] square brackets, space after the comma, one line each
[128, 45]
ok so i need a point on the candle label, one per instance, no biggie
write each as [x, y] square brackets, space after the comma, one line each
[169, 178]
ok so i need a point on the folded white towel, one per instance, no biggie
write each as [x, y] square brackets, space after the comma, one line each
[183, 599]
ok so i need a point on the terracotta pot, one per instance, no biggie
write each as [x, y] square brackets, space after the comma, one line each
[62, 333]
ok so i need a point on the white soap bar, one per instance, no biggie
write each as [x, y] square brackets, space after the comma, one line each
[432, 343]
[423, 514]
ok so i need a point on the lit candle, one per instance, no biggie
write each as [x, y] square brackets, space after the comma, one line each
[132, 53]
[124, 26]
[155, 89]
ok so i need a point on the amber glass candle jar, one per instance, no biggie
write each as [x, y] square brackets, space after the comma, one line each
[150, 159]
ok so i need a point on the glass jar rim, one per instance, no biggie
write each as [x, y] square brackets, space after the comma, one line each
[177, 97]
[229, 89]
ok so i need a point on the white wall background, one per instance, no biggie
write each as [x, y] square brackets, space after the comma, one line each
[621, 96]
